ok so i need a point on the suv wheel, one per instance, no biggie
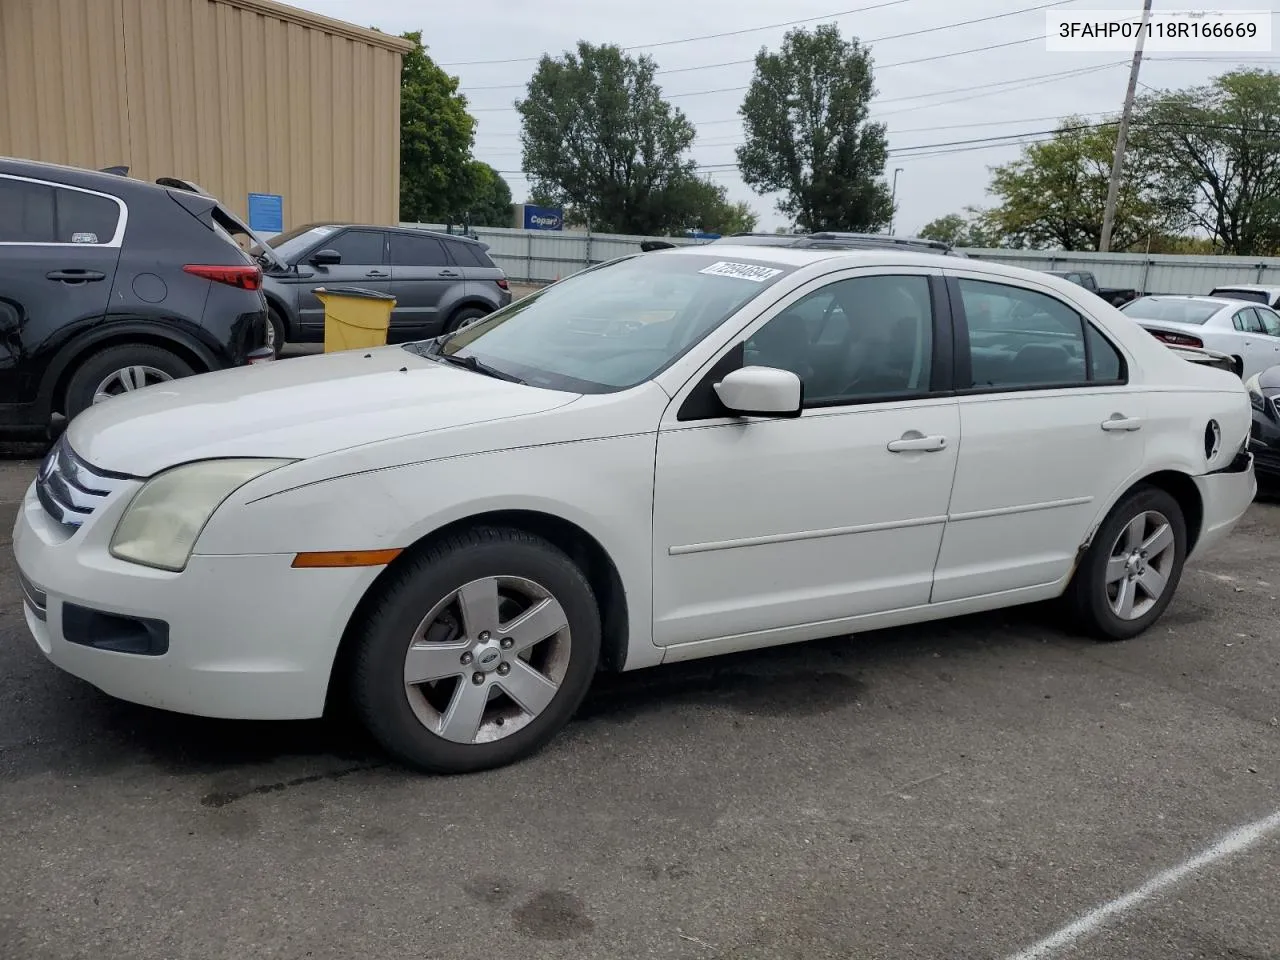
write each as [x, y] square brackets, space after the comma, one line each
[465, 317]
[274, 334]
[118, 370]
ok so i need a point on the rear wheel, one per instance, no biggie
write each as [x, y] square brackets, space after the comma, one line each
[275, 332]
[1131, 570]
[477, 652]
[119, 370]
[464, 318]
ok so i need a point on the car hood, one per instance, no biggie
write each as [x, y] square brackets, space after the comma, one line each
[294, 409]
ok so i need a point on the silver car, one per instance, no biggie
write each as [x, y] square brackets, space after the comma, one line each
[440, 281]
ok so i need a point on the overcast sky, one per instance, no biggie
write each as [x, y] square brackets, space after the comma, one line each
[1008, 91]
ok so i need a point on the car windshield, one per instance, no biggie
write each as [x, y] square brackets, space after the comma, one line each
[1255, 296]
[612, 326]
[1193, 312]
[287, 245]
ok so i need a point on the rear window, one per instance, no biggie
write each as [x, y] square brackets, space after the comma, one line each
[1171, 311]
[411, 251]
[1254, 296]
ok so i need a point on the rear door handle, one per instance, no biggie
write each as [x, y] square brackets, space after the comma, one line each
[377, 273]
[1118, 422]
[447, 273]
[75, 276]
[915, 442]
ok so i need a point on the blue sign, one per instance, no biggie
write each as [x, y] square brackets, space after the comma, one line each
[543, 218]
[266, 213]
[702, 235]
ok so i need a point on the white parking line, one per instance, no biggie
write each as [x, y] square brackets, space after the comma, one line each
[1239, 839]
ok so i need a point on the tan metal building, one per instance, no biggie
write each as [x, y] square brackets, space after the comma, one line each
[240, 96]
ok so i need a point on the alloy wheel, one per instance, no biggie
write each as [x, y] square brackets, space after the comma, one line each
[1140, 565]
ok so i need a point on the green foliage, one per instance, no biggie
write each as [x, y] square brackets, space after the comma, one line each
[967, 229]
[1217, 150]
[598, 138]
[490, 197]
[436, 134]
[808, 136]
[1055, 194]
[709, 209]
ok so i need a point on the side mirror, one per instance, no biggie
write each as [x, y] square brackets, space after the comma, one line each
[326, 258]
[762, 392]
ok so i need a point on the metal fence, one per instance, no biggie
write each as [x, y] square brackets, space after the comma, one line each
[541, 256]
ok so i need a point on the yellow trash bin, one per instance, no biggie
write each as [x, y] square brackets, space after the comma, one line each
[355, 318]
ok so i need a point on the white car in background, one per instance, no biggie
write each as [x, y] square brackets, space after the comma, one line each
[673, 455]
[1253, 292]
[1247, 332]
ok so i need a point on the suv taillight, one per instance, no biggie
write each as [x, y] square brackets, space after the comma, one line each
[245, 277]
[503, 285]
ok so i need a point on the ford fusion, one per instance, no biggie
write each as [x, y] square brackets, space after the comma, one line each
[672, 455]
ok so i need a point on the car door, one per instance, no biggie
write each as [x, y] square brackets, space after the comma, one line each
[59, 247]
[764, 524]
[421, 275]
[1269, 321]
[1257, 350]
[1050, 426]
[363, 264]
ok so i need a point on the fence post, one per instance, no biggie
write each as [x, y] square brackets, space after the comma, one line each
[587, 265]
[528, 257]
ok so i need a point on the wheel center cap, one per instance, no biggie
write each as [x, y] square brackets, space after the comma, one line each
[488, 657]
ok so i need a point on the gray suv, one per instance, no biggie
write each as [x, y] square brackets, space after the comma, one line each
[439, 281]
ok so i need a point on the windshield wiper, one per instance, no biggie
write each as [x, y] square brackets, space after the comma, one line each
[475, 366]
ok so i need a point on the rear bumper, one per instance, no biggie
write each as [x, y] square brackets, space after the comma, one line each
[1224, 497]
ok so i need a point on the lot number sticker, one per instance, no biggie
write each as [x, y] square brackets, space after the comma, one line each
[740, 271]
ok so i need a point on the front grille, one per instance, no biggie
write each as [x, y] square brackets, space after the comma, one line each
[69, 489]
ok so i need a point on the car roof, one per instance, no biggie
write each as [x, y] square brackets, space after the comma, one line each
[1259, 287]
[831, 238]
[1194, 298]
[850, 257]
[74, 176]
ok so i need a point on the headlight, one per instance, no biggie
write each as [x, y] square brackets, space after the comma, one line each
[1255, 393]
[160, 526]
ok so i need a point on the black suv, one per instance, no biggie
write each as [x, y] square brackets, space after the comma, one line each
[440, 281]
[109, 284]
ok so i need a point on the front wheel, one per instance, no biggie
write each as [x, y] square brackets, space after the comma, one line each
[477, 652]
[119, 370]
[1130, 572]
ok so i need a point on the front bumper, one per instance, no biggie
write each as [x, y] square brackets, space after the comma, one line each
[1224, 498]
[244, 637]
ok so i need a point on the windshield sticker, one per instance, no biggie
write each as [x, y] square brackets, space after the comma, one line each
[741, 271]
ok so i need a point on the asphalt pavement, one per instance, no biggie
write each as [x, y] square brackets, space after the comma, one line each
[956, 790]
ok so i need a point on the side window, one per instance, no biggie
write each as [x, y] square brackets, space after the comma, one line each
[1246, 322]
[359, 247]
[410, 251]
[1254, 322]
[468, 255]
[85, 217]
[853, 339]
[1105, 363]
[26, 212]
[1021, 338]
[1270, 322]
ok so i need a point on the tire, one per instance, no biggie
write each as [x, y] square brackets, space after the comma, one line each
[427, 725]
[156, 363]
[463, 317]
[1094, 602]
[276, 337]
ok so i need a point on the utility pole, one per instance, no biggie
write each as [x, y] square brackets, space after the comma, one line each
[893, 198]
[1122, 136]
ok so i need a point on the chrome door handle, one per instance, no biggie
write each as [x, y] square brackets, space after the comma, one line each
[914, 442]
[1118, 422]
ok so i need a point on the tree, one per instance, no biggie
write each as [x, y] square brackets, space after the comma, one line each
[1217, 150]
[490, 197]
[598, 137]
[967, 229]
[436, 134]
[710, 211]
[808, 136]
[1054, 195]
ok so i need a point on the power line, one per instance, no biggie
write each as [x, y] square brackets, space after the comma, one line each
[773, 26]
[708, 36]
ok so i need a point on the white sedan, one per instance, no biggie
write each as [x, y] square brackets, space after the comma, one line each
[672, 455]
[1249, 333]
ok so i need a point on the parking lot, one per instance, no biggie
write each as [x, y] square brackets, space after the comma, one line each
[960, 790]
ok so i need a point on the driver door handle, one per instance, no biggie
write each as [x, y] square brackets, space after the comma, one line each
[1118, 422]
[75, 275]
[914, 442]
[377, 273]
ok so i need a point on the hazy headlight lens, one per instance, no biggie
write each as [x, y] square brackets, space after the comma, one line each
[160, 526]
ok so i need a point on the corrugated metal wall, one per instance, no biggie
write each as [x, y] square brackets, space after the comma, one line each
[227, 94]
